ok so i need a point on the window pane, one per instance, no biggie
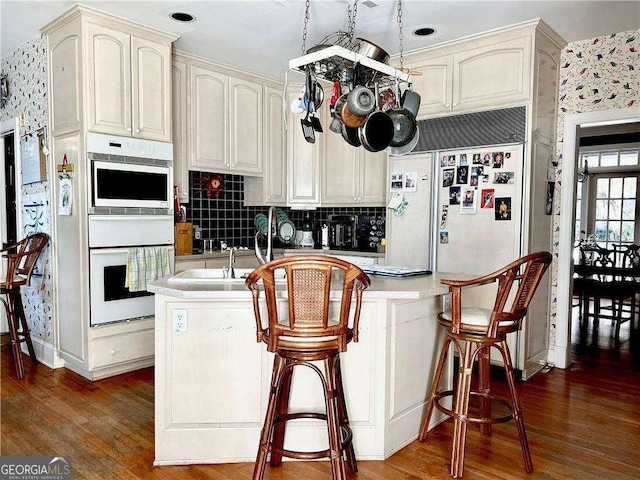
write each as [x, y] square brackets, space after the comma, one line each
[615, 209]
[579, 191]
[630, 185]
[592, 158]
[578, 209]
[609, 159]
[628, 230]
[602, 207]
[577, 234]
[614, 231]
[602, 188]
[629, 158]
[601, 231]
[616, 188]
[628, 209]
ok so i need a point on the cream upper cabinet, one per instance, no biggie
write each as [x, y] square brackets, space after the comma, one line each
[179, 82]
[373, 179]
[475, 76]
[271, 188]
[303, 161]
[129, 84]
[225, 122]
[208, 129]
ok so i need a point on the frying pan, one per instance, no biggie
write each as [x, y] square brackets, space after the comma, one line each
[350, 135]
[404, 125]
[408, 148]
[377, 132]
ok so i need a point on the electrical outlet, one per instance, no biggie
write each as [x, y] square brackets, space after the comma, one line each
[179, 320]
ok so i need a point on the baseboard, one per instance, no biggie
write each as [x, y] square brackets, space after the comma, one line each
[46, 353]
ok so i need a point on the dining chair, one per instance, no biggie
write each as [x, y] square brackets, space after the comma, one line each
[304, 330]
[22, 258]
[473, 332]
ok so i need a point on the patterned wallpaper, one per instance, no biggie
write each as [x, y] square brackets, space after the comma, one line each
[26, 69]
[600, 73]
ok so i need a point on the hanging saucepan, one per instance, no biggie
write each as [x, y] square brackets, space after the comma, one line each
[351, 136]
[408, 148]
[404, 125]
[371, 50]
[361, 101]
[336, 117]
[377, 132]
[350, 119]
[355, 118]
[411, 101]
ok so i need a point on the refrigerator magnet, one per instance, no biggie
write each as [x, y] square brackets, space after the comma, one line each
[503, 208]
[444, 237]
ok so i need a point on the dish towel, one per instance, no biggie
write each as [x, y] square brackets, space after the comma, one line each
[144, 265]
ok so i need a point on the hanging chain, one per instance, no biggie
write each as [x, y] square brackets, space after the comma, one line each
[400, 28]
[351, 14]
[304, 29]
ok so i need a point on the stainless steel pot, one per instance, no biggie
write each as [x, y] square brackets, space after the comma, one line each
[371, 50]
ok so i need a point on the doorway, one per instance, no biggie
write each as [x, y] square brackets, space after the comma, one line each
[562, 351]
[9, 158]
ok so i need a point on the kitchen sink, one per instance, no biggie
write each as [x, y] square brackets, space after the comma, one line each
[217, 275]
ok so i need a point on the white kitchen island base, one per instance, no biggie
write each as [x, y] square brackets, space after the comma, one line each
[212, 380]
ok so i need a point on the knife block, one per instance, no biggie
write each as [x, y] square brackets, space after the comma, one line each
[184, 239]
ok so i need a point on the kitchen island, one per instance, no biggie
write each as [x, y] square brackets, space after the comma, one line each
[212, 378]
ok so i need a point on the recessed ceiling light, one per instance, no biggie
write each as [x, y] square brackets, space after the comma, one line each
[182, 17]
[424, 31]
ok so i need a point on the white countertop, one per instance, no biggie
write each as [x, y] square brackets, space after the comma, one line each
[410, 288]
[285, 251]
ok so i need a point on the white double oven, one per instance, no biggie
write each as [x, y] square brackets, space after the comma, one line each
[131, 207]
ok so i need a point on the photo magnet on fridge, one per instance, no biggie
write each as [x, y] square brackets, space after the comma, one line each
[447, 177]
[463, 172]
[454, 195]
[444, 237]
[486, 198]
[503, 208]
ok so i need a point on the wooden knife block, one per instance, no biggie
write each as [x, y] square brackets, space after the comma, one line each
[184, 239]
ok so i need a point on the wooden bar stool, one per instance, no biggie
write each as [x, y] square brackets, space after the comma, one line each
[21, 258]
[307, 329]
[473, 331]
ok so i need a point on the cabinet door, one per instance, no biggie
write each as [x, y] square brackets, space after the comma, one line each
[179, 127]
[245, 117]
[492, 75]
[434, 85]
[209, 146]
[373, 179]
[151, 89]
[303, 162]
[274, 180]
[340, 168]
[109, 80]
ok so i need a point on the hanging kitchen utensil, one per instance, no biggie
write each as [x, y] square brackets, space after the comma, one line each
[361, 101]
[350, 135]
[350, 118]
[370, 50]
[336, 120]
[411, 101]
[317, 125]
[377, 132]
[307, 125]
[404, 124]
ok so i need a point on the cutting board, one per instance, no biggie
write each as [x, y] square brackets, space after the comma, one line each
[184, 238]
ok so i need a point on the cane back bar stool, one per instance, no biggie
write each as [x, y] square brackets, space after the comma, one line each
[307, 329]
[473, 331]
[21, 258]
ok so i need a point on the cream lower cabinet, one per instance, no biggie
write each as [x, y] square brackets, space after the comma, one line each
[129, 84]
[484, 73]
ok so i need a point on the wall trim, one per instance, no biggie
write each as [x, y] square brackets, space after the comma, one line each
[560, 354]
[46, 353]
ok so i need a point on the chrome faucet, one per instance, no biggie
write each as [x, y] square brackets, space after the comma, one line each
[270, 232]
[232, 260]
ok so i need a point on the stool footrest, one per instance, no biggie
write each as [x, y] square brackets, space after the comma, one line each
[347, 439]
[471, 418]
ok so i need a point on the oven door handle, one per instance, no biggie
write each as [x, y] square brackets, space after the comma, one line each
[125, 250]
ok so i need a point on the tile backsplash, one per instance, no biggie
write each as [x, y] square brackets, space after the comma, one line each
[226, 218]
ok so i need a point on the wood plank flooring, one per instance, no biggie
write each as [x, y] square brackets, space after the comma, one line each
[583, 423]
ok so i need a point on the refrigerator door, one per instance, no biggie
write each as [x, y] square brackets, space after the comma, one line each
[408, 235]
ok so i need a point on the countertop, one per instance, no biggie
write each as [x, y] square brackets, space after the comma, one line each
[276, 251]
[410, 288]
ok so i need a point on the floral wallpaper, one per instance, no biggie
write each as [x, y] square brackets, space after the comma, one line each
[600, 73]
[26, 70]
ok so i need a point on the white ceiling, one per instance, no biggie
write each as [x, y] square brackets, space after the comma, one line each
[261, 36]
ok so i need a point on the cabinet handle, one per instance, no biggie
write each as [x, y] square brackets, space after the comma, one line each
[112, 351]
[446, 105]
[455, 104]
[128, 129]
[137, 130]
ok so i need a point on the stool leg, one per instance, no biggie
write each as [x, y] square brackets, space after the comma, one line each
[461, 410]
[335, 440]
[344, 418]
[282, 408]
[484, 387]
[265, 435]
[424, 427]
[26, 334]
[14, 339]
[517, 411]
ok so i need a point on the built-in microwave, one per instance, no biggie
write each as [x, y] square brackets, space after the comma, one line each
[130, 173]
[141, 185]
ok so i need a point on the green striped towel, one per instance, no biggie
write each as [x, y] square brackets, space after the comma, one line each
[144, 265]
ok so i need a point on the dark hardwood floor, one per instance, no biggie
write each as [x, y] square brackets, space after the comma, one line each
[583, 423]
